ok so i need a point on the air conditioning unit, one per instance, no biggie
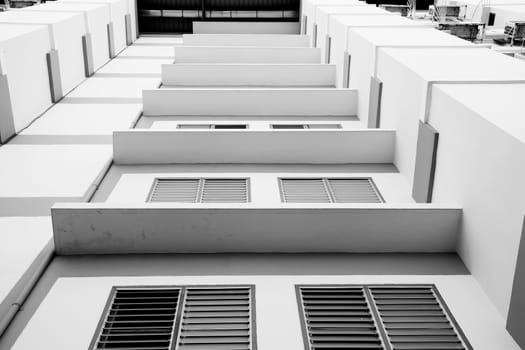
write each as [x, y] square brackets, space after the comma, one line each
[463, 30]
[514, 32]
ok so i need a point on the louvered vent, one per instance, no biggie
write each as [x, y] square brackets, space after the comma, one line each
[414, 318]
[338, 318]
[225, 191]
[140, 319]
[322, 190]
[216, 318]
[200, 190]
[397, 317]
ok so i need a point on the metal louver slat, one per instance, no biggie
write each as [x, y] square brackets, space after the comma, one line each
[353, 191]
[303, 191]
[338, 318]
[140, 319]
[216, 318]
[175, 190]
[414, 318]
[225, 191]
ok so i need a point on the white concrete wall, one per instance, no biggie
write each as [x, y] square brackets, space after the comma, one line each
[408, 76]
[272, 40]
[68, 315]
[341, 24]
[255, 75]
[250, 102]
[117, 10]
[264, 188]
[324, 14]
[66, 31]
[96, 19]
[480, 167]
[23, 50]
[232, 54]
[245, 27]
[364, 43]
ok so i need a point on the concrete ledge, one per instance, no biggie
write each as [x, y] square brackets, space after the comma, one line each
[246, 40]
[245, 27]
[269, 146]
[240, 54]
[98, 228]
[259, 75]
[250, 102]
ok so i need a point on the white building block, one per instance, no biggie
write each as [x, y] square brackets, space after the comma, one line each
[96, 19]
[272, 40]
[249, 75]
[117, 10]
[480, 166]
[240, 54]
[65, 31]
[364, 43]
[309, 9]
[24, 82]
[408, 76]
[245, 27]
[341, 24]
[250, 102]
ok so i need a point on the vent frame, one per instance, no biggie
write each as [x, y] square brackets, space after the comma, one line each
[182, 290]
[329, 188]
[200, 188]
[385, 339]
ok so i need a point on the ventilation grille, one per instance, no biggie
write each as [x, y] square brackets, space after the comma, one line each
[339, 318]
[322, 190]
[149, 318]
[377, 317]
[200, 191]
[141, 319]
[216, 319]
[213, 126]
[305, 126]
[414, 319]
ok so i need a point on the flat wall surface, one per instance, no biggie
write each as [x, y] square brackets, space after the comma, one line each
[27, 236]
[96, 17]
[364, 43]
[325, 13]
[245, 102]
[277, 146]
[272, 40]
[245, 27]
[66, 309]
[37, 175]
[222, 54]
[298, 75]
[309, 9]
[117, 11]
[408, 75]
[23, 62]
[341, 24]
[66, 31]
[466, 117]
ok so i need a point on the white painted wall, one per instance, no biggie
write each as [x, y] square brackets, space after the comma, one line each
[324, 14]
[67, 317]
[254, 75]
[341, 24]
[309, 10]
[23, 239]
[480, 167]
[233, 54]
[407, 76]
[65, 31]
[117, 10]
[96, 18]
[264, 189]
[364, 43]
[23, 50]
[272, 40]
[507, 13]
[246, 102]
[245, 27]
